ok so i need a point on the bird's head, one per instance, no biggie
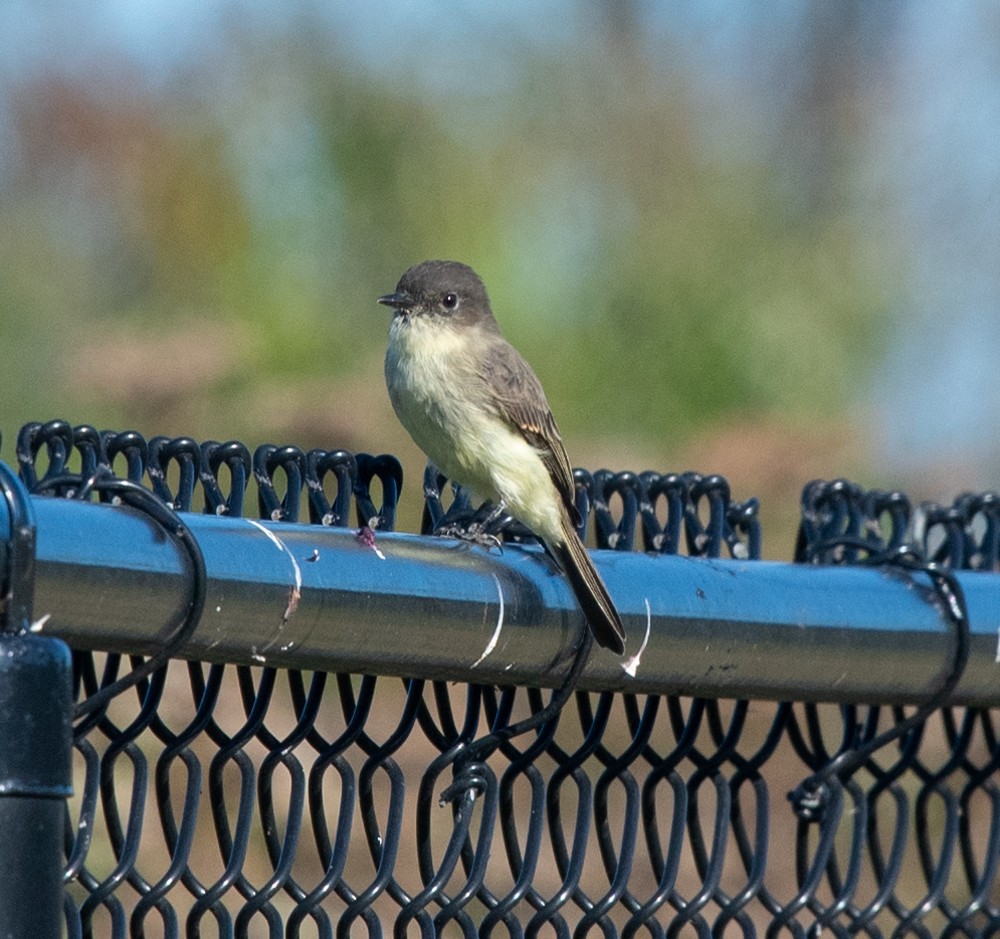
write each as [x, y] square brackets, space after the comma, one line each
[440, 288]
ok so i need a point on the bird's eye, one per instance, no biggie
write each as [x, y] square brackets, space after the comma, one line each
[450, 301]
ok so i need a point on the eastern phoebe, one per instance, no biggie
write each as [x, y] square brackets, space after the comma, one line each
[476, 408]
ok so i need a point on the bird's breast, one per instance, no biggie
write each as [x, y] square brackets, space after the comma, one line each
[433, 386]
[443, 401]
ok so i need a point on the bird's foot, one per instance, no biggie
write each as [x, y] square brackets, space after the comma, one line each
[473, 533]
[481, 527]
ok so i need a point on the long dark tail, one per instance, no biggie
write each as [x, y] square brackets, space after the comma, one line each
[591, 594]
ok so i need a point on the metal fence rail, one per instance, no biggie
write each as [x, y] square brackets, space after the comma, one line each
[267, 712]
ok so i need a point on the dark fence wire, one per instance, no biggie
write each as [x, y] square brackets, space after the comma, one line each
[229, 800]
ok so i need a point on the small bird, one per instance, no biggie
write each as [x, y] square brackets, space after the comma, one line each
[474, 406]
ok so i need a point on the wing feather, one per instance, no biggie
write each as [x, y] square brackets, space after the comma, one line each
[521, 401]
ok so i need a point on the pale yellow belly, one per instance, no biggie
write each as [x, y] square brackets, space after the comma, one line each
[445, 407]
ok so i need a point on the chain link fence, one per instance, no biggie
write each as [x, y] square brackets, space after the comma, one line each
[220, 794]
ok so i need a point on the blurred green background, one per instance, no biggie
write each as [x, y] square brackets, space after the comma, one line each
[756, 242]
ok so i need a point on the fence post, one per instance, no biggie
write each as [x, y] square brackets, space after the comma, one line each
[35, 739]
[35, 781]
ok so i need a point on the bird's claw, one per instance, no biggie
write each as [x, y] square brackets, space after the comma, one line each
[474, 533]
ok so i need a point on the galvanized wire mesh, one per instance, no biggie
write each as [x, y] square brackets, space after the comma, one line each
[224, 800]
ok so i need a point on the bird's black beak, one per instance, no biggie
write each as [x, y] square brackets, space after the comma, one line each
[400, 300]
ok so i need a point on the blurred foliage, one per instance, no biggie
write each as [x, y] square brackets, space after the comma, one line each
[200, 253]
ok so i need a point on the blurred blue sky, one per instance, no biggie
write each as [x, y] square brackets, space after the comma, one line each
[929, 152]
